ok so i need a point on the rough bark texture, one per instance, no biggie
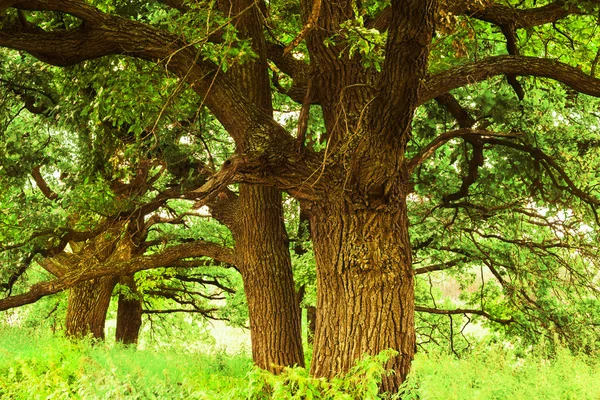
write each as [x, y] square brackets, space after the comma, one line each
[365, 297]
[311, 318]
[264, 260]
[262, 253]
[87, 306]
[129, 314]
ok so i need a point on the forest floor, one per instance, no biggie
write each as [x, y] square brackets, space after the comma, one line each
[40, 365]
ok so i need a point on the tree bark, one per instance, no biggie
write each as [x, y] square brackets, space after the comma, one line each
[365, 298]
[129, 314]
[262, 252]
[311, 323]
[264, 260]
[87, 305]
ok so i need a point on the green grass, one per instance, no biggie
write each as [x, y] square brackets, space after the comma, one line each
[37, 366]
[495, 372]
[45, 366]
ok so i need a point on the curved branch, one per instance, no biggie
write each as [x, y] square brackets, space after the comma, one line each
[166, 258]
[440, 267]
[91, 15]
[504, 15]
[102, 34]
[468, 74]
[439, 141]
[497, 14]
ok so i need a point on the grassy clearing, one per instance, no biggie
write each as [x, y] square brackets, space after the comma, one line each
[45, 366]
[494, 372]
[36, 366]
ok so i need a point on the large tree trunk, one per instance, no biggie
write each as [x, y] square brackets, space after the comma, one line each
[129, 314]
[365, 288]
[87, 306]
[264, 260]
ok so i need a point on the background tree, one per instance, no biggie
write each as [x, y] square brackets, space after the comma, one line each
[142, 177]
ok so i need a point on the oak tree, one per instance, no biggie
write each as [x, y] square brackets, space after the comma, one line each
[369, 67]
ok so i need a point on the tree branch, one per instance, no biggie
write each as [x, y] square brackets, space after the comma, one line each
[440, 267]
[42, 185]
[439, 141]
[467, 74]
[505, 15]
[497, 14]
[464, 311]
[166, 258]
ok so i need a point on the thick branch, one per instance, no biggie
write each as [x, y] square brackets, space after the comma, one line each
[267, 145]
[409, 35]
[166, 258]
[495, 13]
[461, 115]
[42, 185]
[504, 15]
[464, 75]
[102, 34]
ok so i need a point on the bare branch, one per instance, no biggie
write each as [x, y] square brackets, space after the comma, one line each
[440, 267]
[310, 24]
[464, 311]
[428, 150]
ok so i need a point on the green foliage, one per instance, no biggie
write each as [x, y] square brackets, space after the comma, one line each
[494, 371]
[361, 382]
[37, 366]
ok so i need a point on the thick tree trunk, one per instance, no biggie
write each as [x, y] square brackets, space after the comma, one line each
[365, 298]
[87, 306]
[129, 314]
[264, 260]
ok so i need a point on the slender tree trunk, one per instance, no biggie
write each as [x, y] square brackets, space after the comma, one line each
[365, 288]
[129, 314]
[311, 311]
[87, 306]
[311, 323]
[264, 260]
[262, 251]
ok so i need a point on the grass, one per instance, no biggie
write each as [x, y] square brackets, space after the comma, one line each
[36, 365]
[495, 372]
[40, 366]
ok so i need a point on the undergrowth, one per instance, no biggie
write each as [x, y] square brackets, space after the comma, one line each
[38, 366]
[44, 366]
